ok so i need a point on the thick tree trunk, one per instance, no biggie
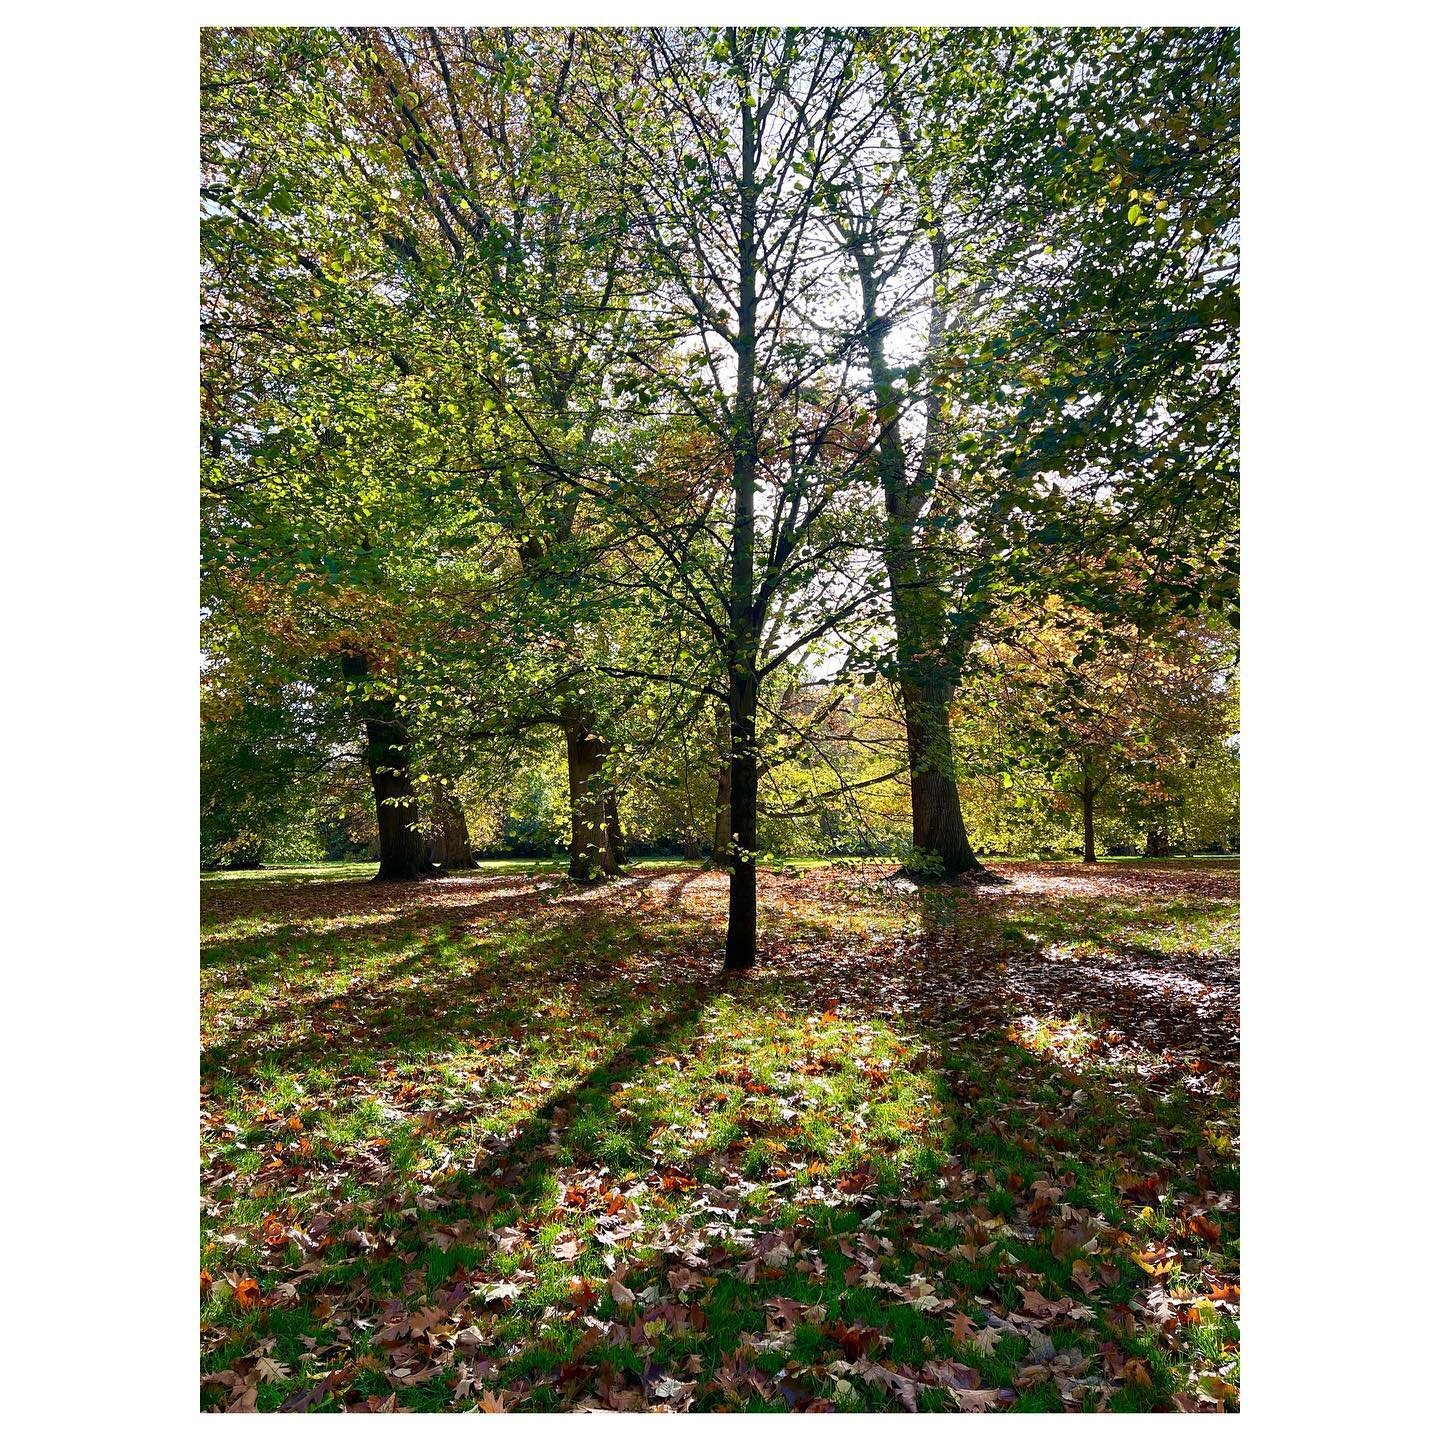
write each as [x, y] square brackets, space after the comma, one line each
[592, 853]
[1087, 810]
[937, 825]
[1157, 843]
[918, 605]
[449, 831]
[720, 847]
[387, 756]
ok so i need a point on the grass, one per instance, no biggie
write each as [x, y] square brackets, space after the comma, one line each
[503, 1141]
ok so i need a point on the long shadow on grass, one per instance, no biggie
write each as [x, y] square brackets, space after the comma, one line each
[293, 939]
[1014, 1118]
[1031, 1143]
[508, 1180]
[336, 898]
[940, 1225]
[424, 1000]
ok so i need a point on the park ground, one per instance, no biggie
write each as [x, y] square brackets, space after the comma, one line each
[500, 1142]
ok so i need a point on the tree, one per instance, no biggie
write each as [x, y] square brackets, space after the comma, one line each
[403, 849]
[1065, 379]
[725, 200]
[400, 259]
[1100, 378]
[1111, 711]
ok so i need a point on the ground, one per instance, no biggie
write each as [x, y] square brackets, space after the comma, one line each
[501, 1142]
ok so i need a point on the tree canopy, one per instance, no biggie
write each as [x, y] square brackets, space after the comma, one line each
[732, 441]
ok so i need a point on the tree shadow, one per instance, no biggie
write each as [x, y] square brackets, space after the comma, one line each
[356, 902]
[956, 983]
[418, 1003]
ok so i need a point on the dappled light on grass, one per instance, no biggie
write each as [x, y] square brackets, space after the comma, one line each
[515, 1143]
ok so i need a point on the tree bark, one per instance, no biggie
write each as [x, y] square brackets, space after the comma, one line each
[743, 635]
[740, 934]
[1157, 843]
[1087, 810]
[592, 854]
[937, 825]
[449, 831]
[918, 606]
[613, 832]
[387, 757]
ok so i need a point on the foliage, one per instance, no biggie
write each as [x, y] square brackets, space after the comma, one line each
[468, 296]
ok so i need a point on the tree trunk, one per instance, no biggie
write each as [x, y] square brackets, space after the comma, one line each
[744, 625]
[387, 757]
[1157, 843]
[937, 825]
[740, 934]
[690, 846]
[720, 848]
[1087, 807]
[449, 831]
[918, 606]
[613, 832]
[592, 854]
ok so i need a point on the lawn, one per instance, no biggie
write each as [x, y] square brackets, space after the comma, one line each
[501, 1142]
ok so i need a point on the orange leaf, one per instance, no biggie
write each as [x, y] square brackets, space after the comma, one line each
[1205, 1228]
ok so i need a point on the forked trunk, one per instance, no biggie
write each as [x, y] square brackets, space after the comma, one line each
[387, 756]
[918, 605]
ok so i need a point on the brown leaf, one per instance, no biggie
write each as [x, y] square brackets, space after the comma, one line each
[854, 1340]
[1205, 1228]
[583, 1294]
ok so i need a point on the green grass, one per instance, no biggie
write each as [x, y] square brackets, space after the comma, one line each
[921, 1105]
